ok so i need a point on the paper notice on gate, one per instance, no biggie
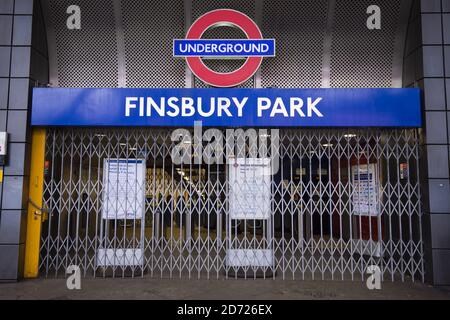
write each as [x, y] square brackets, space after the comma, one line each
[123, 189]
[250, 192]
[365, 193]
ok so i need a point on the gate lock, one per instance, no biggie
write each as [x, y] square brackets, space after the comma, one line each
[39, 212]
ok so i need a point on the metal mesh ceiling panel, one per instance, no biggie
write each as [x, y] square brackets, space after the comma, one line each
[86, 57]
[148, 32]
[299, 29]
[201, 7]
[361, 57]
[93, 56]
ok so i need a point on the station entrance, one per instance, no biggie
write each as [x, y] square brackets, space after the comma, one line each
[337, 202]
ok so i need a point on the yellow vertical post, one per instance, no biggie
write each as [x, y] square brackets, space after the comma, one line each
[35, 214]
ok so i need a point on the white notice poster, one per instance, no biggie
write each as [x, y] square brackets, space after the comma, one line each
[365, 199]
[250, 193]
[123, 189]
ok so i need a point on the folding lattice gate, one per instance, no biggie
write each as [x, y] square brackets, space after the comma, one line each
[319, 226]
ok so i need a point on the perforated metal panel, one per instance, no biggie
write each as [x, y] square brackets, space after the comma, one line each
[316, 230]
[299, 29]
[201, 7]
[361, 57]
[148, 32]
[358, 57]
[86, 57]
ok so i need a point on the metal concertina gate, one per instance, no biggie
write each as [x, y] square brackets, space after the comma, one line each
[315, 228]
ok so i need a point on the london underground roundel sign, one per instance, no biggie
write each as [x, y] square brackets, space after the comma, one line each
[254, 48]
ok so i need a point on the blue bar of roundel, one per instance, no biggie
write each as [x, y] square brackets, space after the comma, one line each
[340, 107]
[177, 43]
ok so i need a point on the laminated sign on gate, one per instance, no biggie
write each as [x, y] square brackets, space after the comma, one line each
[123, 199]
[250, 199]
[123, 189]
[250, 192]
[365, 196]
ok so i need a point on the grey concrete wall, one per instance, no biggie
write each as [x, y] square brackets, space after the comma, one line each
[427, 65]
[23, 63]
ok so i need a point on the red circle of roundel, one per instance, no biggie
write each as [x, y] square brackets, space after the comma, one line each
[220, 79]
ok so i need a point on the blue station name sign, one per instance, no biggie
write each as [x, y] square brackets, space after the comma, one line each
[226, 107]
